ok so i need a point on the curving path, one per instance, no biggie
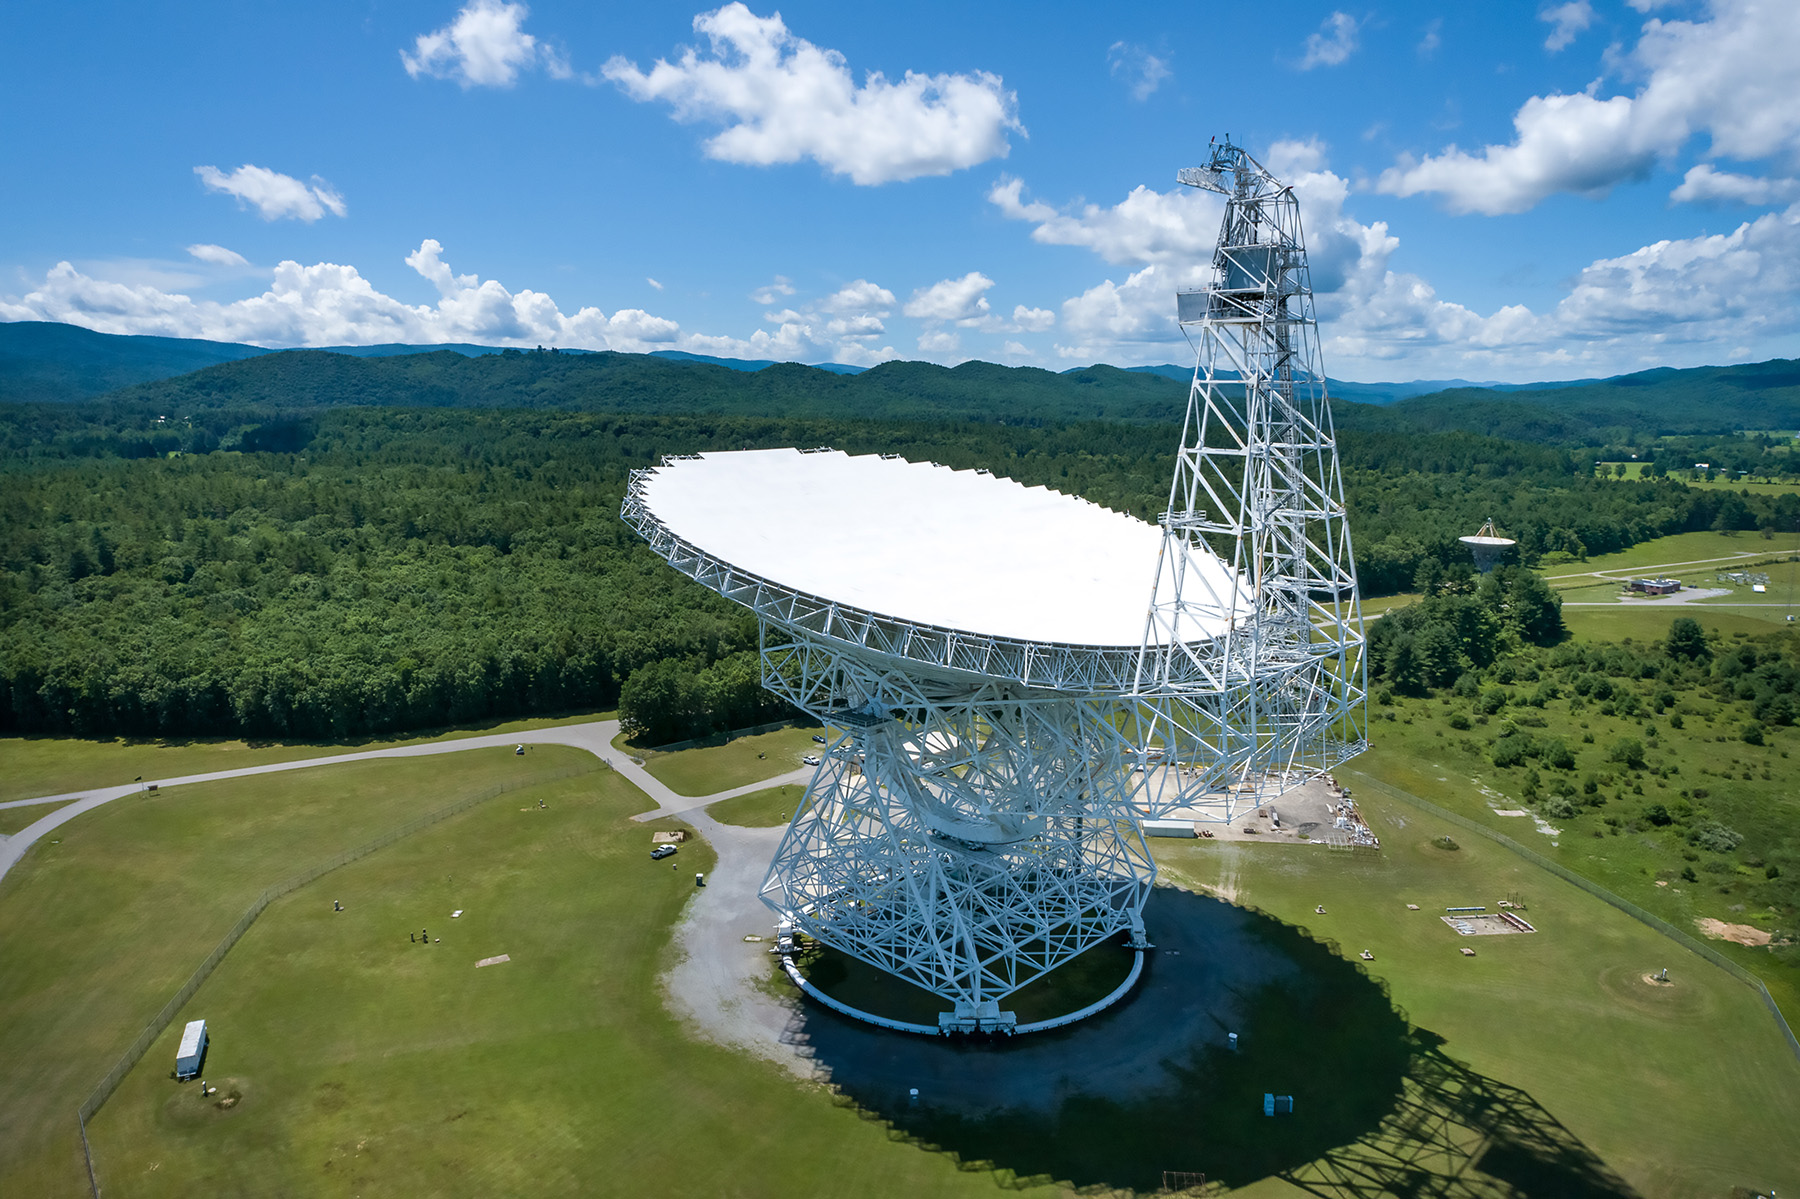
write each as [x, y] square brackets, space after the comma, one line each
[711, 982]
[594, 736]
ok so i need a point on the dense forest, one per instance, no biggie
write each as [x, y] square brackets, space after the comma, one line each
[270, 546]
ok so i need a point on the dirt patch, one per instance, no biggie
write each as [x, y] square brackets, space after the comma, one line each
[189, 1105]
[1646, 992]
[1738, 934]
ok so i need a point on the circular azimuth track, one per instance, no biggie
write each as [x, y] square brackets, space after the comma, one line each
[1011, 708]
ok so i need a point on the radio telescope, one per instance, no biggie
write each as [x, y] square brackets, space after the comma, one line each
[1020, 677]
[1487, 545]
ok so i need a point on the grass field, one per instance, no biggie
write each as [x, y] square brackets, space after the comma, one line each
[1622, 621]
[37, 766]
[14, 819]
[96, 932]
[759, 809]
[1750, 789]
[1681, 548]
[1685, 1090]
[365, 1064]
[1635, 470]
[708, 769]
[370, 1065]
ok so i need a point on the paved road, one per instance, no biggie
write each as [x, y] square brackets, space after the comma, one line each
[594, 736]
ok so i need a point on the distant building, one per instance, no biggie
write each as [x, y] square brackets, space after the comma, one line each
[1654, 586]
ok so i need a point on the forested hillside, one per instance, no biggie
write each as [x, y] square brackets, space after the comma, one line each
[306, 380]
[365, 569]
[1626, 409]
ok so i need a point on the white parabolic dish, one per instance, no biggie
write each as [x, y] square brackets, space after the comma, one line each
[922, 543]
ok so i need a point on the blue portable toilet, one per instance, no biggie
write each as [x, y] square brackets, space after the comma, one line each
[192, 1051]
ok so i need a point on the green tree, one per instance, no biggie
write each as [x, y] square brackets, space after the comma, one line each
[1687, 640]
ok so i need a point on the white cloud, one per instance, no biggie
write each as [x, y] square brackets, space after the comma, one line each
[332, 304]
[1334, 42]
[486, 46]
[765, 296]
[1671, 302]
[782, 99]
[962, 300]
[1032, 320]
[859, 296]
[217, 255]
[1432, 38]
[1141, 71]
[1016, 350]
[940, 341]
[653, 283]
[1732, 77]
[1703, 185]
[275, 195]
[1566, 22]
[1146, 226]
[866, 325]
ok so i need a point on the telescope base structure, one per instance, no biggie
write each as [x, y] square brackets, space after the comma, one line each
[968, 849]
[948, 1024]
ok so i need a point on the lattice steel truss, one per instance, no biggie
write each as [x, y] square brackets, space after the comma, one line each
[1280, 696]
[977, 822]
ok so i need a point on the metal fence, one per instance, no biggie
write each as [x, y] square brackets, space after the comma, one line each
[1662, 926]
[179, 1000]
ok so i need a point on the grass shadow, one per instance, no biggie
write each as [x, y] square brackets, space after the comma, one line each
[1153, 1087]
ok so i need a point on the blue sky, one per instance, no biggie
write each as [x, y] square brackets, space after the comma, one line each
[1491, 191]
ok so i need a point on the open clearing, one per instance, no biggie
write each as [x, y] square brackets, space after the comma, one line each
[365, 1063]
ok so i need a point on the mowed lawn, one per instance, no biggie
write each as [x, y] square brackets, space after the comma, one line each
[707, 769]
[1675, 549]
[14, 819]
[760, 809]
[371, 1065]
[368, 1064]
[34, 766]
[99, 929]
[1687, 1090]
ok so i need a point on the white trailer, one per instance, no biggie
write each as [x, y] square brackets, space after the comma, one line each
[192, 1051]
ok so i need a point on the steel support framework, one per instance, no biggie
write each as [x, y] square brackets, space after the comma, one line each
[976, 823]
[1257, 484]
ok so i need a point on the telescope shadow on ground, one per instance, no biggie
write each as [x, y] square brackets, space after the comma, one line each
[1153, 1086]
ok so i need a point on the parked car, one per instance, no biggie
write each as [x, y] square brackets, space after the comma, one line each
[811, 759]
[661, 852]
[818, 738]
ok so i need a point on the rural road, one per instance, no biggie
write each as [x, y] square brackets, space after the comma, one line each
[594, 736]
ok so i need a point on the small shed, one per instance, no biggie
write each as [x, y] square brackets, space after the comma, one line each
[192, 1051]
[1170, 828]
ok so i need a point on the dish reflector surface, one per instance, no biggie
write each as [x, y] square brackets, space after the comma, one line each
[915, 541]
